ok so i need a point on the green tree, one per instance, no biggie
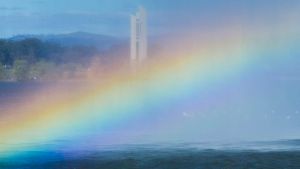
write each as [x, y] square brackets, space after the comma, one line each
[2, 72]
[21, 70]
[41, 70]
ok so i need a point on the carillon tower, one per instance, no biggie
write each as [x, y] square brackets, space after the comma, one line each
[138, 49]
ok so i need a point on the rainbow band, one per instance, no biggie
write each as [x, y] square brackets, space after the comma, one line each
[128, 98]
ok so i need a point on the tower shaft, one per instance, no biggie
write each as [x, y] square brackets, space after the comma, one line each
[138, 49]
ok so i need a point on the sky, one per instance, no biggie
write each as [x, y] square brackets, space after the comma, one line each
[111, 17]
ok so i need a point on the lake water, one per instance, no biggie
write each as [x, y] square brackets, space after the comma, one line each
[12, 93]
[254, 155]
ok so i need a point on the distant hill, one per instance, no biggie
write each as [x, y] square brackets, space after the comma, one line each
[101, 42]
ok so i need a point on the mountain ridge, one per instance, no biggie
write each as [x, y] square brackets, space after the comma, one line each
[101, 42]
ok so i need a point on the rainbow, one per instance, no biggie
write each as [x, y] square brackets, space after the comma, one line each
[84, 114]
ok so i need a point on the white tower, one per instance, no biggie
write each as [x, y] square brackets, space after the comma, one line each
[138, 50]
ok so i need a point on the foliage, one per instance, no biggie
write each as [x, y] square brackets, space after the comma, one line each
[21, 70]
[33, 59]
[35, 50]
[41, 70]
[2, 72]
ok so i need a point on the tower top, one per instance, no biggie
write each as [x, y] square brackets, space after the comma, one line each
[141, 12]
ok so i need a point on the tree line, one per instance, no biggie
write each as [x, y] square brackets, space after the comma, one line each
[33, 59]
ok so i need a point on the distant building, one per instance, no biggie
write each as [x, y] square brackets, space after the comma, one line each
[139, 49]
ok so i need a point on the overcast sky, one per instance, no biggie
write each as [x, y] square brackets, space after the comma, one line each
[112, 16]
